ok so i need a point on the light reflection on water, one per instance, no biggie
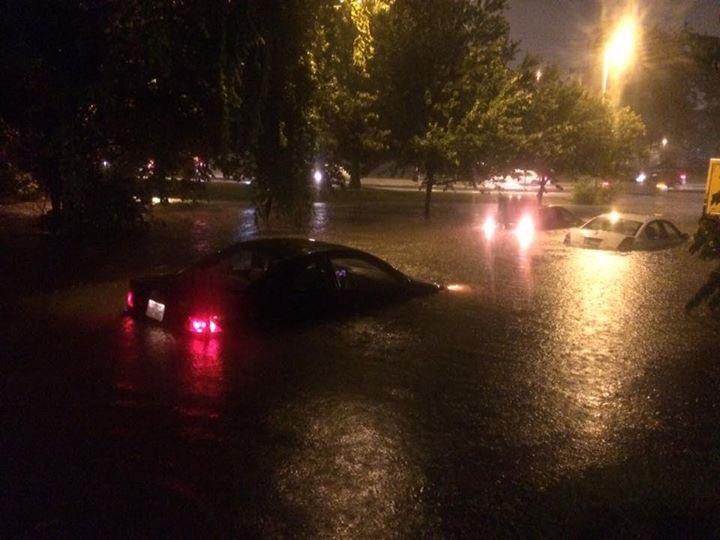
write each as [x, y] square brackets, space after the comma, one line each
[588, 368]
[204, 371]
[598, 296]
[319, 220]
[247, 225]
[349, 470]
[200, 236]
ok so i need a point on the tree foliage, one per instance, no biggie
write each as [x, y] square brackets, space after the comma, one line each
[143, 90]
[440, 65]
[277, 89]
[706, 245]
[455, 105]
[50, 59]
[570, 130]
[676, 90]
[347, 96]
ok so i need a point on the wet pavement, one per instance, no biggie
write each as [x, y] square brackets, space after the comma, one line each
[554, 391]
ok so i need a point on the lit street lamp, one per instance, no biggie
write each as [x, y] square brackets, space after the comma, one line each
[619, 50]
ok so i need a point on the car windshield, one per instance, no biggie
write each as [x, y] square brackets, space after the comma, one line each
[626, 227]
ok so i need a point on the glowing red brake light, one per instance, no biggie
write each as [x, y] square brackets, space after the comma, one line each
[130, 300]
[204, 325]
[198, 325]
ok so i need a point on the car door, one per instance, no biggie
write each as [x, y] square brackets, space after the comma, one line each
[566, 218]
[671, 235]
[555, 217]
[651, 236]
[362, 281]
[221, 286]
[309, 289]
[593, 233]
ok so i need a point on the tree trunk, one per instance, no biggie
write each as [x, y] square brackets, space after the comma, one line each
[429, 178]
[355, 174]
[543, 182]
[54, 186]
[268, 208]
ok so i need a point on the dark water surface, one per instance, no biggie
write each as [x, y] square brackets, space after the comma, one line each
[552, 391]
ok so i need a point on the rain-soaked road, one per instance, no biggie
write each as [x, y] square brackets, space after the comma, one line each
[556, 391]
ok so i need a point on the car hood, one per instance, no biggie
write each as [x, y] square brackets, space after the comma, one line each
[595, 239]
[423, 287]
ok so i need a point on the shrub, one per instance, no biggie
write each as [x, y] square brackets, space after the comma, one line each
[706, 245]
[596, 191]
[17, 185]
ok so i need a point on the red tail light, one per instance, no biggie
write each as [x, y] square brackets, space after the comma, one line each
[204, 325]
[130, 300]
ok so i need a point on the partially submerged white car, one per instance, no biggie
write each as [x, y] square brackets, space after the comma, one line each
[625, 232]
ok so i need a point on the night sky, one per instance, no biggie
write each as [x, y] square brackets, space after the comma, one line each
[559, 30]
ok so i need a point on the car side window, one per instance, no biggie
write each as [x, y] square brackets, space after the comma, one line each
[671, 231]
[598, 224]
[550, 217]
[662, 231]
[357, 274]
[245, 265]
[652, 231]
[566, 216]
[311, 277]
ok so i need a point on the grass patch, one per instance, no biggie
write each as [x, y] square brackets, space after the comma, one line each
[227, 191]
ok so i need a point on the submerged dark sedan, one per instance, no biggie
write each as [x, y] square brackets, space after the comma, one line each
[270, 280]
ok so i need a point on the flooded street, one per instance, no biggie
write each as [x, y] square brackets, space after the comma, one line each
[551, 389]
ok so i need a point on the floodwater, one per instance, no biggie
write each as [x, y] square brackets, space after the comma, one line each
[552, 391]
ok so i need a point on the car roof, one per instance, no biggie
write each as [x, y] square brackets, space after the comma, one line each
[282, 248]
[642, 218]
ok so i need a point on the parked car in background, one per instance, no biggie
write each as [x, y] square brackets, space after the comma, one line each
[663, 179]
[516, 180]
[626, 232]
[555, 217]
[331, 174]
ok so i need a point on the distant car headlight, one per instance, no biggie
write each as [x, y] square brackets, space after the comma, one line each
[489, 227]
[525, 231]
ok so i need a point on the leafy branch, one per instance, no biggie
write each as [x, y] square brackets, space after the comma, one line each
[706, 245]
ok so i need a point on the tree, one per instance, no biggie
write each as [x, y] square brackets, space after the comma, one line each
[567, 129]
[676, 90]
[276, 89]
[346, 98]
[108, 87]
[160, 98]
[706, 245]
[50, 57]
[440, 65]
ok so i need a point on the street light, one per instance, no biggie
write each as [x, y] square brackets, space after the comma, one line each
[620, 49]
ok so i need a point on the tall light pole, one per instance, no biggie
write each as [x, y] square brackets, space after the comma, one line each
[619, 50]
